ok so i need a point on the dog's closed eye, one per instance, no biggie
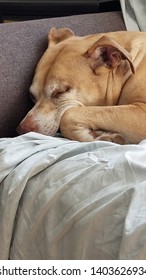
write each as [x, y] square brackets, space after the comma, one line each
[58, 92]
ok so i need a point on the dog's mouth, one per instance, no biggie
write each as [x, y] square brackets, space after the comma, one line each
[45, 123]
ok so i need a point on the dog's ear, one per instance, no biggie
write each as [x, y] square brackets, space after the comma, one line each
[110, 52]
[55, 35]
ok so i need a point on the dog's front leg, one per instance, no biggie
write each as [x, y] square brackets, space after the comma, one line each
[84, 132]
[121, 124]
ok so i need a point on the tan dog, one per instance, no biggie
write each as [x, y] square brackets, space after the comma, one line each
[92, 87]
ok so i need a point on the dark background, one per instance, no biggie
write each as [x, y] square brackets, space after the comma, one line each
[33, 9]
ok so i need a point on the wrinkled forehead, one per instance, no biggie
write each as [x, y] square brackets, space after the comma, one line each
[55, 67]
[57, 63]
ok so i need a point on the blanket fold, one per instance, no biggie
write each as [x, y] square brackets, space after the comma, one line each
[134, 14]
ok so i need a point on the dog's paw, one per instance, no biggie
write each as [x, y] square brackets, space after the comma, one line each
[112, 137]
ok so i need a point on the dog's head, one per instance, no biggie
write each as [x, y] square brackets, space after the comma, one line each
[72, 72]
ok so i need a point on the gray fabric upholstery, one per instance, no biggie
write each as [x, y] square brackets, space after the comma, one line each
[21, 46]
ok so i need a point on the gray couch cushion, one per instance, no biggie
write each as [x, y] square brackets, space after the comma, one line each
[21, 46]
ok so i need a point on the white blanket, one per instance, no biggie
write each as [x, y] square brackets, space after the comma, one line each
[62, 199]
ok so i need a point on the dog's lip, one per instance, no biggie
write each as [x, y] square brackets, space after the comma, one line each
[23, 127]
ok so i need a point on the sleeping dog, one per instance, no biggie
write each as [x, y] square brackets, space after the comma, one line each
[91, 87]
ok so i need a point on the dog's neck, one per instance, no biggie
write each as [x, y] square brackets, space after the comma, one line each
[108, 92]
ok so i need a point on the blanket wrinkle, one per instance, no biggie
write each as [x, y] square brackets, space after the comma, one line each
[134, 14]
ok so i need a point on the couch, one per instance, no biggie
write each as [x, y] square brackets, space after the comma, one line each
[62, 199]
